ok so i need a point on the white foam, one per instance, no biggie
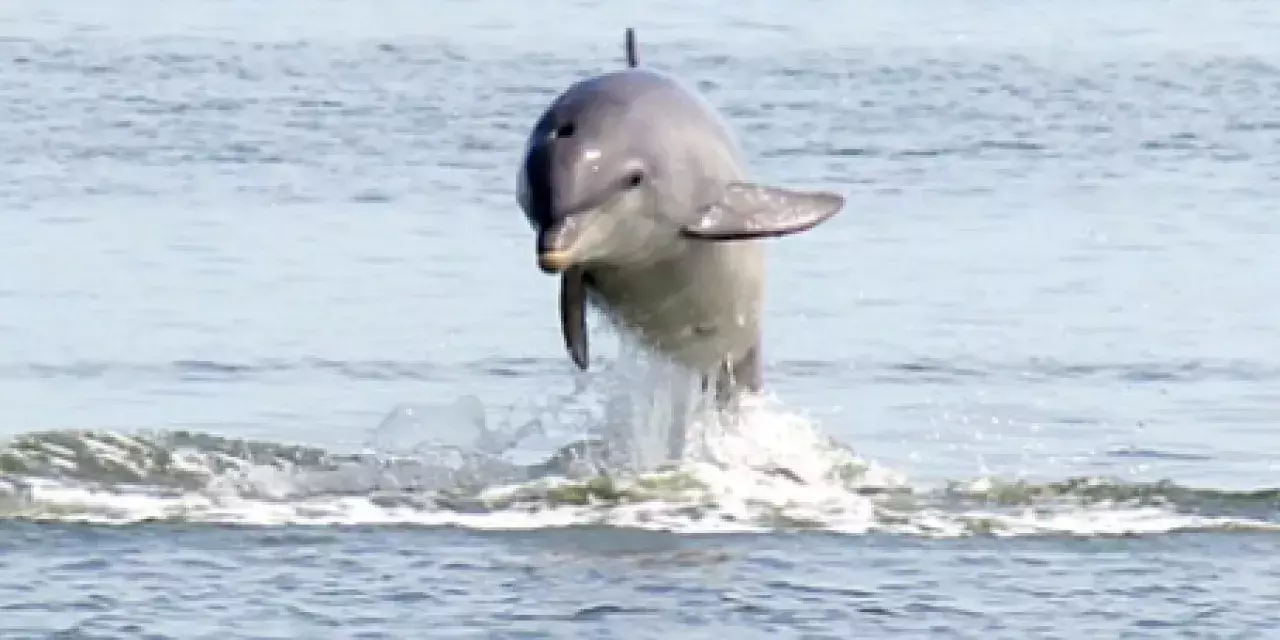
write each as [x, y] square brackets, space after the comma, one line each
[769, 468]
[765, 468]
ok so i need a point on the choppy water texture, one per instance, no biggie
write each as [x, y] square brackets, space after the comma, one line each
[277, 363]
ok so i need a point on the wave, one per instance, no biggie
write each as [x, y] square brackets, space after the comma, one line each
[765, 469]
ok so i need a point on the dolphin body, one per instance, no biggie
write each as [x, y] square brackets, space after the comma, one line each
[640, 201]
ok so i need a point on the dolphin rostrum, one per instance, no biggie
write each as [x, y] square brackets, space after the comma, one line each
[639, 198]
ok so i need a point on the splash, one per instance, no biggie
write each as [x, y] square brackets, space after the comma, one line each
[636, 446]
[764, 469]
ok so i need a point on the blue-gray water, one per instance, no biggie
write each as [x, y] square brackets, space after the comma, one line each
[1046, 319]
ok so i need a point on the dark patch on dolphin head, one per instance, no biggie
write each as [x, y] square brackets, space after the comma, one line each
[554, 151]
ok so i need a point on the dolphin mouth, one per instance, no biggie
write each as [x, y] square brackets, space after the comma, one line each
[570, 239]
[561, 245]
[554, 261]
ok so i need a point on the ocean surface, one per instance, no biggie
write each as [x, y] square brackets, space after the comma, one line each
[276, 361]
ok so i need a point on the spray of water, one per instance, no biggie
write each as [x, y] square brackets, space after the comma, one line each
[636, 444]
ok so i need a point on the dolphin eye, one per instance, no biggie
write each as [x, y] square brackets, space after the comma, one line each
[634, 179]
[565, 130]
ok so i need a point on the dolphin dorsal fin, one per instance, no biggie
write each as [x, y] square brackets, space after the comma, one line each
[633, 61]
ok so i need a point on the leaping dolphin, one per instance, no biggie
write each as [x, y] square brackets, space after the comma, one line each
[640, 200]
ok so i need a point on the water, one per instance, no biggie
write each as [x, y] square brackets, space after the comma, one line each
[262, 250]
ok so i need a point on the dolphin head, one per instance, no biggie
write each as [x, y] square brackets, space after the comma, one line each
[627, 168]
[596, 177]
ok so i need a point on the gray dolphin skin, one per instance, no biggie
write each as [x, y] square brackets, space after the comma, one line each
[640, 201]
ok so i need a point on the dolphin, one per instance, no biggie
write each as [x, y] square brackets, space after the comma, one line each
[640, 201]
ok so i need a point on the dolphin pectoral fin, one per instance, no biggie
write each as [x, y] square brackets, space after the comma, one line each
[573, 315]
[747, 210]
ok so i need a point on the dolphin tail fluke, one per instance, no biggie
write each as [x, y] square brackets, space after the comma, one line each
[633, 60]
[734, 378]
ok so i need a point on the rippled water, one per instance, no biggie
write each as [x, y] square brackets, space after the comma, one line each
[277, 362]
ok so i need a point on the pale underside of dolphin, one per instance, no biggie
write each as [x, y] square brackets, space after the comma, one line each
[640, 199]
